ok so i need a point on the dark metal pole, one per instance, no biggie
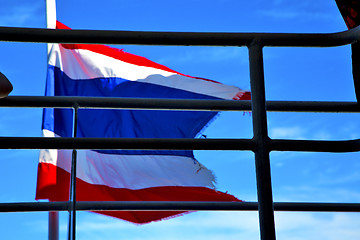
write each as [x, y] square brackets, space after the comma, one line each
[72, 200]
[176, 104]
[40, 35]
[261, 139]
[176, 206]
[53, 225]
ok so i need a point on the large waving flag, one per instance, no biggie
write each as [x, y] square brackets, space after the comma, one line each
[125, 175]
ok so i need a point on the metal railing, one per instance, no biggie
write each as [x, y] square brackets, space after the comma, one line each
[260, 144]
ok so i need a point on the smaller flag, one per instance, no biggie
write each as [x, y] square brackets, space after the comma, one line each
[5, 86]
[350, 11]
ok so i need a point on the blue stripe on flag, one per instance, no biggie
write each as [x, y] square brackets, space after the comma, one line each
[111, 123]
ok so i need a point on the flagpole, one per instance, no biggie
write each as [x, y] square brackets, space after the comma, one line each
[53, 226]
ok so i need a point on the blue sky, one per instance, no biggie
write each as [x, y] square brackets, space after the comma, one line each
[318, 74]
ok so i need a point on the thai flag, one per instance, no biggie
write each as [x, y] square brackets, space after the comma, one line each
[125, 175]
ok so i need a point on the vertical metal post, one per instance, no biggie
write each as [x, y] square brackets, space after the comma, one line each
[262, 159]
[53, 226]
[72, 200]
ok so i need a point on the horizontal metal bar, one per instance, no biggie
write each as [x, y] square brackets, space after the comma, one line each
[176, 144]
[317, 207]
[41, 35]
[125, 143]
[315, 145]
[308, 106]
[34, 206]
[176, 206]
[174, 104]
[125, 103]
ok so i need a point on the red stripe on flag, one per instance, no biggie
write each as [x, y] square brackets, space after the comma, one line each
[53, 184]
[121, 55]
[114, 53]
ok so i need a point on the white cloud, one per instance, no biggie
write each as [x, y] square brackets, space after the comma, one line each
[316, 193]
[313, 132]
[23, 15]
[311, 226]
[286, 10]
[350, 177]
[350, 129]
[322, 135]
[294, 132]
[201, 225]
